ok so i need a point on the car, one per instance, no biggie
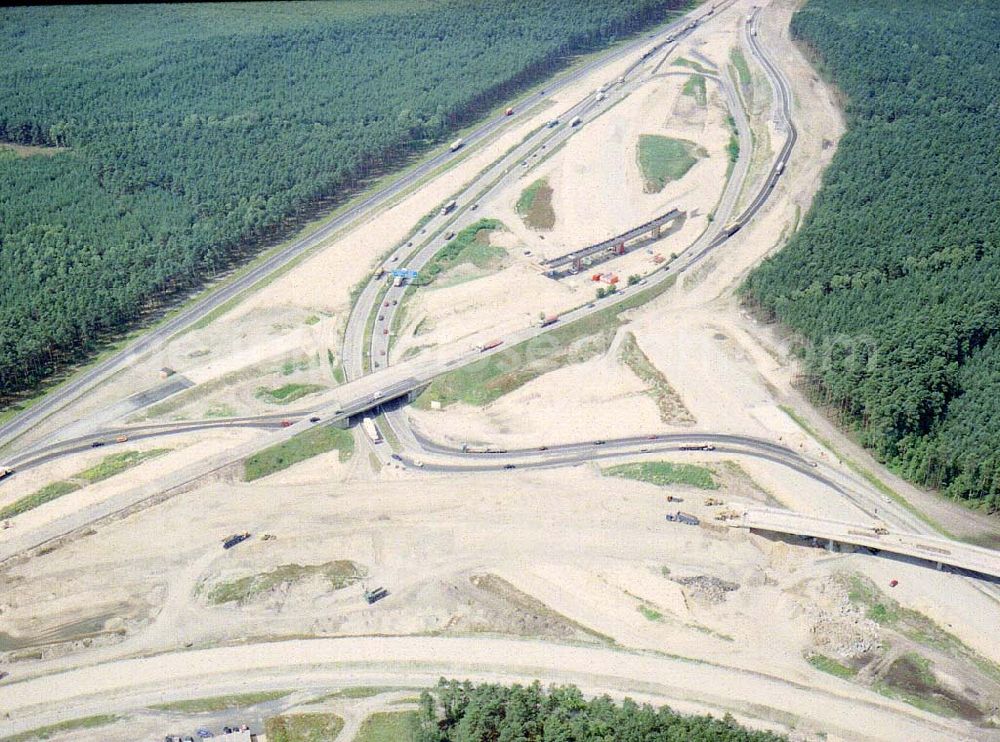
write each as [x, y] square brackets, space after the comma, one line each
[314, 419]
[449, 236]
[651, 437]
[96, 444]
[121, 439]
[543, 448]
[893, 583]
[385, 305]
[286, 423]
[599, 442]
[510, 466]
[385, 331]
[644, 449]
[527, 253]
[376, 395]
[396, 257]
[3, 674]
[813, 464]
[418, 463]
[395, 302]
[382, 352]
[204, 733]
[590, 306]
[473, 207]
[396, 457]
[381, 317]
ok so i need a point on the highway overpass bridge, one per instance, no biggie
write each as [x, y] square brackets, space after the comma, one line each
[939, 551]
[613, 245]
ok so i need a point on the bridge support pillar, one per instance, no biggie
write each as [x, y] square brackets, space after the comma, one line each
[343, 423]
[939, 566]
[831, 545]
[656, 232]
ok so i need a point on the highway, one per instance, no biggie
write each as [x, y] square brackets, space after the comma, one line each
[929, 548]
[93, 376]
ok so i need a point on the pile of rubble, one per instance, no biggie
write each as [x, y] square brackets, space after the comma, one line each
[707, 589]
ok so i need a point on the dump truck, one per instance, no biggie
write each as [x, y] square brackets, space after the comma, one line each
[236, 538]
[686, 518]
[449, 207]
[456, 145]
[549, 319]
[712, 501]
[371, 430]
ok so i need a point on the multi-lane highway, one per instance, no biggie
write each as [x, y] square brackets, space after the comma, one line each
[95, 375]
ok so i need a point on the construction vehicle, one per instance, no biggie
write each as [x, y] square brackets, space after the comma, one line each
[881, 531]
[449, 207]
[375, 595]
[6, 471]
[236, 538]
[371, 430]
[547, 320]
[681, 517]
[456, 145]
[712, 502]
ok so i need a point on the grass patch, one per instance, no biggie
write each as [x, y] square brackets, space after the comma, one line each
[742, 69]
[663, 159]
[87, 722]
[220, 410]
[470, 246]
[360, 691]
[911, 679]
[831, 666]
[664, 473]
[695, 87]
[650, 613]
[46, 494]
[303, 728]
[535, 206]
[312, 319]
[298, 448]
[108, 467]
[691, 64]
[339, 574]
[221, 703]
[489, 379]
[672, 409]
[389, 726]
[290, 367]
[287, 393]
[116, 463]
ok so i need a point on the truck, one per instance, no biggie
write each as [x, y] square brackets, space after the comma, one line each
[549, 319]
[6, 471]
[600, 97]
[576, 121]
[449, 207]
[509, 112]
[456, 145]
[397, 282]
[490, 345]
[380, 272]
[371, 596]
[371, 430]
[237, 538]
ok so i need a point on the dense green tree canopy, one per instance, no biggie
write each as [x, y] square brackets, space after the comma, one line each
[463, 712]
[195, 132]
[894, 278]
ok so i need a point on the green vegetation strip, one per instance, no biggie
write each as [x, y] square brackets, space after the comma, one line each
[470, 246]
[288, 393]
[389, 726]
[298, 448]
[221, 703]
[669, 403]
[110, 466]
[664, 473]
[492, 377]
[695, 87]
[303, 728]
[742, 69]
[63, 727]
[339, 574]
[663, 159]
[831, 666]
[535, 205]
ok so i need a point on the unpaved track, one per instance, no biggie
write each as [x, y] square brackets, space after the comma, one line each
[128, 684]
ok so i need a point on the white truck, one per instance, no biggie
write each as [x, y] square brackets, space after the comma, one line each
[371, 430]
[576, 121]
[456, 145]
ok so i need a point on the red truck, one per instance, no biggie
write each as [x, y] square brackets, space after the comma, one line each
[490, 345]
[509, 112]
[549, 319]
